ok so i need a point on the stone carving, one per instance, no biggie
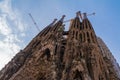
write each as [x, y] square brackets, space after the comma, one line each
[51, 56]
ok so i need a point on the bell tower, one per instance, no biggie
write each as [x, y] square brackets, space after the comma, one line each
[56, 54]
[82, 52]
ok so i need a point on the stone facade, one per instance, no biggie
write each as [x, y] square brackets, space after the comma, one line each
[56, 54]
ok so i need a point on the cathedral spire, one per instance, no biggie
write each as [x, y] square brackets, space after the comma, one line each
[58, 24]
[52, 55]
[89, 32]
[53, 22]
[78, 14]
[47, 29]
[84, 15]
[62, 18]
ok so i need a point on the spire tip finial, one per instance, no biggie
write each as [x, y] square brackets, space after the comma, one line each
[78, 13]
[84, 15]
[62, 18]
[55, 20]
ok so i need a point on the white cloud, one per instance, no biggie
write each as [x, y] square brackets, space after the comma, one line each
[10, 24]
[7, 51]
[4, 29]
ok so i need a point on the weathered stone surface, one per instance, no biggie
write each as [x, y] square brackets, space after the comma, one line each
[55, 54]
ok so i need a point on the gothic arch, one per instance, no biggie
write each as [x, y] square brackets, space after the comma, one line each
[76, 34]
[88, 37]
[78, 75]
[86, 25]
[62, 53]
[80, 37]
[92, 37]
[81, 27]
[83, 37]
[77, 25]
[46, 53]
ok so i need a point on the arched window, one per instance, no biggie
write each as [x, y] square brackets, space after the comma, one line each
[92, 38]
[62, 53]
[81, 26]
[77, 25]
[83, 37]
[86, 25]
[46, 54]
[78, 75]
[81, 55]
[87, 34]
[88, 37]
[77, 35]
[80, 35]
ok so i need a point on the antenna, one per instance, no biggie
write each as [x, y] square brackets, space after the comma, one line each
[34, 22]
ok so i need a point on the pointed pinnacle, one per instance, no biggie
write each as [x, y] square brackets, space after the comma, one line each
[78, 13]
[84, 15]
[53, 22]
[62, 18]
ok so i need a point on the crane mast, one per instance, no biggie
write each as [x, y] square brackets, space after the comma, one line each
[34, 22]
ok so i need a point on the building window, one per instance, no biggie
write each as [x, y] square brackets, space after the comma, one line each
[62, 53]
[81, 26]
[86, 25]
[77, 35]
[46, 54]
[83, 37]
[80, 37]
[88, 37]
[78, 75]
[92, 37]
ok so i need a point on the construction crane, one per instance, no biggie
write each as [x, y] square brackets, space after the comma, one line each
[80, 14]
[34, 22]
[91, 14]
[67, 20]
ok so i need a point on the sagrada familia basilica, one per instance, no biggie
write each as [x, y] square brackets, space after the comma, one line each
[56, 54]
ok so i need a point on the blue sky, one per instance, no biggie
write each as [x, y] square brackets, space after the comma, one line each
[17, 28]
